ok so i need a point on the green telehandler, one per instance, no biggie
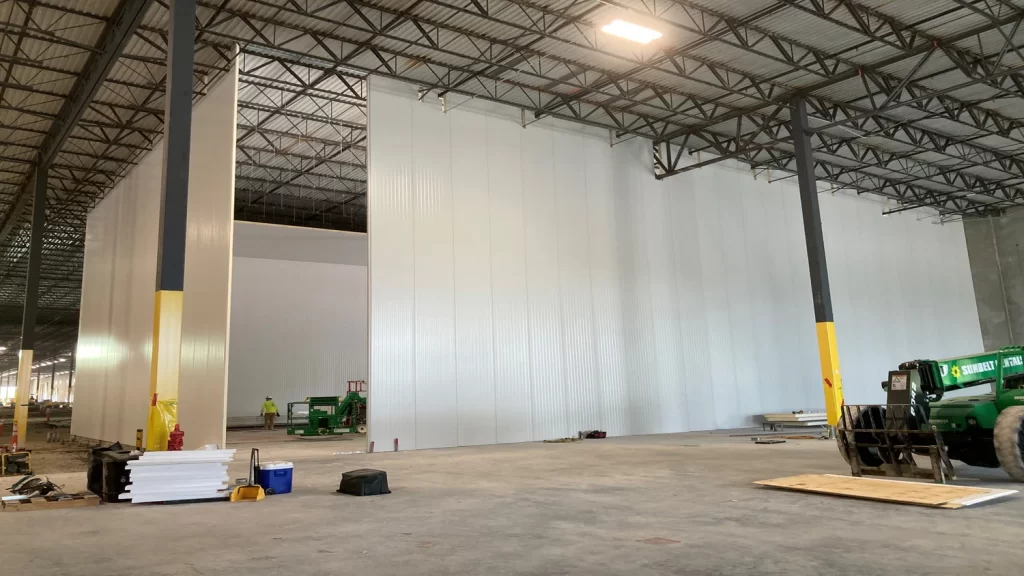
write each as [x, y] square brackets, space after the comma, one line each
[981, 430]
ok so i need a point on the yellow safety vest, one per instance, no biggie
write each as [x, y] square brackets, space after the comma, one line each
[269, 407]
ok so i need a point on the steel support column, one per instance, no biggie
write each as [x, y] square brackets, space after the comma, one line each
[53, 379]
[71, 376]
[828, 351]
[170, 267]
[28, 320]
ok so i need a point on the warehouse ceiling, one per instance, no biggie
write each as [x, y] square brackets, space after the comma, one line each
[920, 102]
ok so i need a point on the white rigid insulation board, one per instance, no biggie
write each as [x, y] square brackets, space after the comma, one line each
[529, 283]
[112, 377]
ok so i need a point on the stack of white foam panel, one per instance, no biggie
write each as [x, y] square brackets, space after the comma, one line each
[179, 475]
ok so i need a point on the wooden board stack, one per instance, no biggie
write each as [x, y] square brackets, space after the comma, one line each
[179, 475]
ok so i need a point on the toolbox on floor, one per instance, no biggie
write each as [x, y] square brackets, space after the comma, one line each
[276, 477]
[364, 482]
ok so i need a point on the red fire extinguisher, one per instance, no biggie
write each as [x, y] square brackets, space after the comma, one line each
[177, 438]
[14, 440]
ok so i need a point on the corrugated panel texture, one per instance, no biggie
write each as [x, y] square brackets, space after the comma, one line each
[298, 329]
[535, 282]
[116, 324]
[205, 319]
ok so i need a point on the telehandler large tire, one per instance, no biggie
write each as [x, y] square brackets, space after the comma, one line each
[860, 419]
[1008, 437]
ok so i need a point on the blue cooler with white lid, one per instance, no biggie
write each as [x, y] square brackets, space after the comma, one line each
[276, 477]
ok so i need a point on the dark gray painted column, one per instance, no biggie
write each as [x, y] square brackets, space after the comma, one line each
[828, 351]
[811, 215]
[35, 254]
[170, 273]
[53, 378]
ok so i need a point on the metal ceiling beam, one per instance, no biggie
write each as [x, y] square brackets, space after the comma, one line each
[115, 36]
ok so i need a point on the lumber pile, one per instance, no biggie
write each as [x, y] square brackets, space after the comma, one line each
[183, 475]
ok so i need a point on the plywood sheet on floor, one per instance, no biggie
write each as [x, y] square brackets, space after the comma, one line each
[897, 491]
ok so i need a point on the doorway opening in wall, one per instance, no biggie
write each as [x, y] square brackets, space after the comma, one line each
[298, 346]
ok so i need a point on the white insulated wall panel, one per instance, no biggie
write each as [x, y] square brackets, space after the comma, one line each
[116, 323]
[509, 277]
[119, 280]
[474, 315]
[543, 302]
[605, 272]
[566, 289]
[434, 277]
[391, 229]
[206, 308]
[298, 315]
[298, 329]
[579, 378]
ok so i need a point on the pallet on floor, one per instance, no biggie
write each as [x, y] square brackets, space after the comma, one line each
[50, 502]
[895, 491]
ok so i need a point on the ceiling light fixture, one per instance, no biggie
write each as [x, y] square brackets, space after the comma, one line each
[631, 31]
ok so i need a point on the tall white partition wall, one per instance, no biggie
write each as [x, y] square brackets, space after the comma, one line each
[298, 315]
[119, 281]
[529, 283]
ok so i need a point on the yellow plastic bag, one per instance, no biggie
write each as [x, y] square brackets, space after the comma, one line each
[162, 417]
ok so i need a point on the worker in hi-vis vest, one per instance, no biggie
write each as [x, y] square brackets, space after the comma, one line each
[269, 412]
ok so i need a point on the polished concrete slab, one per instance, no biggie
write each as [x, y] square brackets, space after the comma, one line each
[671, 504]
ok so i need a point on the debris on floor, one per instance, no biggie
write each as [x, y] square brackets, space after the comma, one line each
[364, 482]
[883, 490]
[50, 502]
[767, 441]
[659, 541]
[563, 440]
[31, 486]
[38, 493]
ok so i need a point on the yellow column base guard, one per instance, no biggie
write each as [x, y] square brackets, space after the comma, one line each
[832, 381]
[166, 361]
[21, 396]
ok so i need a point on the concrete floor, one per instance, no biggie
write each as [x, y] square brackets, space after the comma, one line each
[589, 508]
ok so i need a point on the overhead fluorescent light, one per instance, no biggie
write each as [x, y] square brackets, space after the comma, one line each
[631, 31]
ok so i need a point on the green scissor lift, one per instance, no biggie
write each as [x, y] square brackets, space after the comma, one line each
[328, 415]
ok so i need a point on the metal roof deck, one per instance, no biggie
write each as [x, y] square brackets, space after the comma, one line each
[917, 101]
